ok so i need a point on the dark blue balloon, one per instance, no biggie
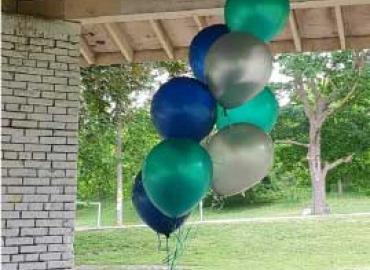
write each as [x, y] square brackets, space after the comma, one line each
[183, 108]
[200, 46]
[150, 214]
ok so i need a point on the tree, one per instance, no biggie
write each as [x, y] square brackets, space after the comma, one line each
[109, 93]
[324, 83]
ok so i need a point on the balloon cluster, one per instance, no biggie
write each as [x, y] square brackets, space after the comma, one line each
[232, 64]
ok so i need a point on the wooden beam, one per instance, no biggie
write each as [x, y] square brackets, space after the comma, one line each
[340, 26]
[97, 11]
[285, 46]
[163, 38]
[120, 39]
[86, 52]
[200, 22]
[295, 32]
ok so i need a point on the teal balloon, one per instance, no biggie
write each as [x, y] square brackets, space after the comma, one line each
[176, 176]
[261, 111]
[264, 19]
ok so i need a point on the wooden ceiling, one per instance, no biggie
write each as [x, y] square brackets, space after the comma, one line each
[119, 31]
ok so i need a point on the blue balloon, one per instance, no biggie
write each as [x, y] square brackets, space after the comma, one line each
[200, 46]
[150, 214]
[183, 108]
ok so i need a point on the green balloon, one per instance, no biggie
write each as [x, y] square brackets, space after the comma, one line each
[261, 111]
[264, 19]
[176, 176]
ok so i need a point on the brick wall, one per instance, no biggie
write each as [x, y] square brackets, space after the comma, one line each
[40, 100]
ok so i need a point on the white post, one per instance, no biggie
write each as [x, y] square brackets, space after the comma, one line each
[201, 210]
[98, 222]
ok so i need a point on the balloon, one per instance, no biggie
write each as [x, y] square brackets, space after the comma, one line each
[238, 66]
[200, 46]
[183, 108]
[151, 215]
[264, 19]
[176, 176]
[242, 155]
[262, 111]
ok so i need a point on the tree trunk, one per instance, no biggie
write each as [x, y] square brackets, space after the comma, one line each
[119, 172]
[318, 176]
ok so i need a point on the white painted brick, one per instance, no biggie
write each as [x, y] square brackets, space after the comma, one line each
[53, 140]
[67, 45]
[21, 206]
[18, 241]
[25, 139]
[24, 123]
[65, 148]
[14, 39]
[65, 118]
[28, 93]
[27, 78]
[67, 133]
[53, 206]
[25, 155]
[29, 63]
[39, 164]
[7, 75]
[60, 231]
[49, 239]
[62, 198]
[9, 250]
[18, 258]
[13, 115]
[53, 125]
[7, 45]
[16, 61]
[31, 257]
[35, 198]
[51, 173]
[11, 181]
[56, 156]
[54, 95]
[59, 264]
[49, 223]
[64, 165]
[40, 86]
[33, 231]
[26, 108]
[66, 88]
[10, 155]
[12, 164]
[9, 214]
[6, 259]
[71, 173]
[33, 249]
[57, 110]
[21, 190]
[72, 157]
[35, 214]
[35, 206]
[29, 48]
[49, 190]
[58, 66]
[54, 80]
[62, 214]
[12, 131]
[56, 51]
[32, 266]
[54, 256]
[5, 139]
[16, 54]
[40, 101]
[10, 233]
[11, 107]
[16, 223]
[74, 82]
[7, 206]
[40, 109]
[38, 155]
[13, 99]
[22, 172]
[38, 132]
[59, 247]
[42, 42]
[9, 266]
[42, 56]
[39, 116]
[36, 181]
[37, 147]
[42, 64]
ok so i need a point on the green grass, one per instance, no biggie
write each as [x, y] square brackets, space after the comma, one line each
[86, 216]
[320, 244]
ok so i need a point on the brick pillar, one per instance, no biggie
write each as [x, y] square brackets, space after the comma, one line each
[40, 100]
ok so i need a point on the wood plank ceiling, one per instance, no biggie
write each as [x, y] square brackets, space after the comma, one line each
[119, 31]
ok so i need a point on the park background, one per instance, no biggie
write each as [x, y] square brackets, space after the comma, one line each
[116, 133]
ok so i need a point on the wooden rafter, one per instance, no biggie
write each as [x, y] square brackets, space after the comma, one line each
[163, 38]
[295, 32]
[97, 11]
[340, 25]
[200, 22]
[87, 54]
[120, 39]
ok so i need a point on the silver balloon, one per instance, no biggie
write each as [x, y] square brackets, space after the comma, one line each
[237, 68]
[242, 155]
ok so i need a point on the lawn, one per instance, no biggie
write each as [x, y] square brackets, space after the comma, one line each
[319, 244]
[86, 216]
